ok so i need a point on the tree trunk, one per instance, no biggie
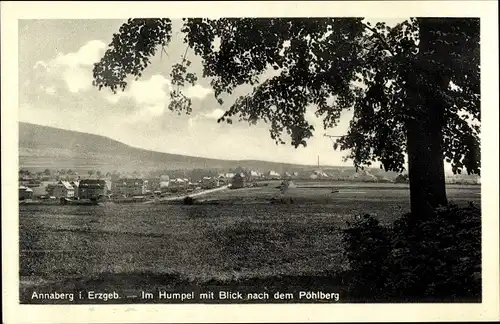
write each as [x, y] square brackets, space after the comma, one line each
[425, 163]
[424, 127]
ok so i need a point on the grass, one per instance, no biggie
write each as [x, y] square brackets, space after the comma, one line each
[242, 243]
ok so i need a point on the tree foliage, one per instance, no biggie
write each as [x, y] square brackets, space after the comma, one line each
[384, 74]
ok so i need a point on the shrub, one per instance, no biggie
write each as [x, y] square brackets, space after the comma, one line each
[435, 257]
[366, 243]
[188, 200]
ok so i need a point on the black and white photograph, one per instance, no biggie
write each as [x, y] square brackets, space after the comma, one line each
[225, 159]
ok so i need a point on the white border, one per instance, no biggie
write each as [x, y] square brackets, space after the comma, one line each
[15, 313]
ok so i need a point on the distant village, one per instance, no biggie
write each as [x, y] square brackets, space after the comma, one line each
[68, 185]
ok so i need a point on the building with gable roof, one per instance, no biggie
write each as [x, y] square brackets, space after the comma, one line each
[129, 187]
[25, 193]
[92, 189]
[63, 189]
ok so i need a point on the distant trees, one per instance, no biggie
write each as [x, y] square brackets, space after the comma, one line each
[402, 178]
[198, 174]
[239, 169]
[24, 173]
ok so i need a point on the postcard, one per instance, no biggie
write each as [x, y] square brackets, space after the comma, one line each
[250, 161]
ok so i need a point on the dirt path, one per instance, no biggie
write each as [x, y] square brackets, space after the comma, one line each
[196, 194]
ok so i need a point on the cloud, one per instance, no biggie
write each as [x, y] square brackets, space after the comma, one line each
[197, 92]
[50, 90]
[210, 116]
[87, 55]
[152, 95]
[214, 114]
[41, 64]
[149, 91]
[74, 68]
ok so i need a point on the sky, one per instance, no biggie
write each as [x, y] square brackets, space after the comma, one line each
[56, 58]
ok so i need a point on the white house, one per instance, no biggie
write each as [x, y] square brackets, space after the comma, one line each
[255, 174]
[273, 175]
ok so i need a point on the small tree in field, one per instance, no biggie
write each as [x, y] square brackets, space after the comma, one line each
[413, 87]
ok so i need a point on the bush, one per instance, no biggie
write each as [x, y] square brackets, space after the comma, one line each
[188, 200]
[431, 258]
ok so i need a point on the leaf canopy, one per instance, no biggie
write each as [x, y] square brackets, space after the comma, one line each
[331, 64]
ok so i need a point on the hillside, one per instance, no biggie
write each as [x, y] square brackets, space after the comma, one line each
[43, 147]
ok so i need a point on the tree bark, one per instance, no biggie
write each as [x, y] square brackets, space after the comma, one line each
[425, 162]
[425, 126]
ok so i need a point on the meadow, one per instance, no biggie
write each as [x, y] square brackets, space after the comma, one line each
[242, 240]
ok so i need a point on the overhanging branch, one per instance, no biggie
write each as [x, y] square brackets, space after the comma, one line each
[381, 38]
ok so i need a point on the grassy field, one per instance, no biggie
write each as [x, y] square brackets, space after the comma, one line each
[243, 241]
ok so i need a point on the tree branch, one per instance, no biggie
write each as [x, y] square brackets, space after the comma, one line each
[183, 61]
[185, 54]
[381, 38]
[163, 51]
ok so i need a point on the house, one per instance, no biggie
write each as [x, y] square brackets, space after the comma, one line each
[164, 183]
[25, 193]
[91, 189]
[209, 182]
[177, 184]
[109, 184]
[63, 189]
[238, 181]
[75, 184]
[154, 184]
[363, 176]
[129, 187]
[49, 188]
[229, 175]
[255, 174]
[273, 175]
[222, 179]
[318, 174]
[41, 191]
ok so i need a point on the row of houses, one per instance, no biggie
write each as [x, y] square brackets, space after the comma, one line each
[83, 189]
[95, 188]
[130, 187]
